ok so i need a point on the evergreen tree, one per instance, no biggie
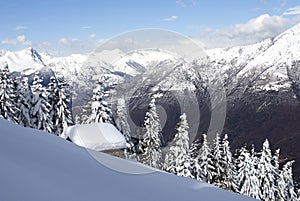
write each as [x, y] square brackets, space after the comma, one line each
[255, 158]
[277, 173]
[40, 108]
[229, 173]
[266, 174]
[287, 174]
[123, 126]
[281, 187]
[7, 95]
[97, 107]
[217, 161]
[151, 142]
[63, 116]
[177, 159]
[248, 183]
[205, 162]
[52, 100]
[23, 100]
[193, 154]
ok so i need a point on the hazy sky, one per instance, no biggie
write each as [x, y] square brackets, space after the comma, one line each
[50, 25]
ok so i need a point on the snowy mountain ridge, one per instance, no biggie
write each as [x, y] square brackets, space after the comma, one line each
[131, 64]
[269, 54]
[139, 61]
[283, 48]
[239, 54]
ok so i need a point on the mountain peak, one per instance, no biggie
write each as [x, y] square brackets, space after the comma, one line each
[35, 55]
[21, 60]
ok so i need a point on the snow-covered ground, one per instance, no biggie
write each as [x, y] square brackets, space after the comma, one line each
[38, 166]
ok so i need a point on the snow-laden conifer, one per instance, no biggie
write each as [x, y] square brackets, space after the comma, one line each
[177, 160]
[151, 142]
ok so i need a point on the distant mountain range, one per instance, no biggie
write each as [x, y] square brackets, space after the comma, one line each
[261, 83]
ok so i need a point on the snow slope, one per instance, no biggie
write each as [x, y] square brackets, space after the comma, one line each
[39, 166]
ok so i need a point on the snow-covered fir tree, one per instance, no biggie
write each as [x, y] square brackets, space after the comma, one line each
[248, 183]
[52, 99]
[23, 100]
[254, 156]
[63, 116]
[276, 172]
[217, 161]
[266, 173]
[97, 109]
[124, 128]
[205, 162]
[193, 154]
[7, 106]
[288, 188]
[40, 108]
[228, 177]
[177, 160]
[281, 188]
[151, 143]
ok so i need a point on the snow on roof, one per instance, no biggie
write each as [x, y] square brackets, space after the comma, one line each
[96, 136]
[36, 165]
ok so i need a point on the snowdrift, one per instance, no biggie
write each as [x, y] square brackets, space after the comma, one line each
[38, 166]
[96, 136]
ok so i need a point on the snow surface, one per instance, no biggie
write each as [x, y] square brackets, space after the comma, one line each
[96, 136]
[137, 61]
[36, 165]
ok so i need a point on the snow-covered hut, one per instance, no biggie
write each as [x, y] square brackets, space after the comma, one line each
[96, 136]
